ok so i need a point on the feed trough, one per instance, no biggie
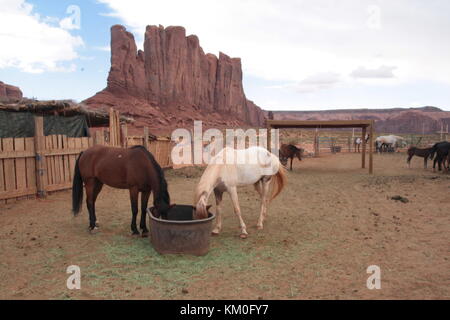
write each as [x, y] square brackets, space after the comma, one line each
[179, 234]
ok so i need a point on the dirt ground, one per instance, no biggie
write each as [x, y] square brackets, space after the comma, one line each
[331, 222]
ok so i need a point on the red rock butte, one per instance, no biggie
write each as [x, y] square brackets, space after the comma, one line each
[173, 82]
[10, 93]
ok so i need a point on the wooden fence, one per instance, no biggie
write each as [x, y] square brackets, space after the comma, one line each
[41, 164]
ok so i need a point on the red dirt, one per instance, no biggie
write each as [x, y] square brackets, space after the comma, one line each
[329, 224]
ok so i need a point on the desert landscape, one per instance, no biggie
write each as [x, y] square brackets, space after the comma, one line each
[96, 96]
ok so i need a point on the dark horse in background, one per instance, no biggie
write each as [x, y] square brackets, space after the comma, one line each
[135, 169]
[289, 151]
[424, 153]
[442, 151]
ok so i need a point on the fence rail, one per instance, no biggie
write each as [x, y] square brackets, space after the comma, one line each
[42, 164]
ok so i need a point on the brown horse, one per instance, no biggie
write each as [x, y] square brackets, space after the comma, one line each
[289, 151]
[135, 169]
[424, 153]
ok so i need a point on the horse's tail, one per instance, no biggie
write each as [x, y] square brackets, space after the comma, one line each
[433, 150]
[77, 188]
[279, 182]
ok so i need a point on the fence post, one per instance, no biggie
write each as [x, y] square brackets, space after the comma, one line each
[124, 135]
[100, 137]
[146, 138]
[41, 165]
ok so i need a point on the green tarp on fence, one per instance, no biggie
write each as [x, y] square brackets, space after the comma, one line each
[21, 124]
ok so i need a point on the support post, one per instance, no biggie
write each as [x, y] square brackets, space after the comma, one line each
[316, 145]
[363, 153]
[371, 148]
[41, 164]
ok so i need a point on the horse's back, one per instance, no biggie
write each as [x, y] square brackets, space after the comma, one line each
[116, 167]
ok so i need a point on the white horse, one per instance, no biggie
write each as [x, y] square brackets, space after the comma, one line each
[390, 141]
[231, 168]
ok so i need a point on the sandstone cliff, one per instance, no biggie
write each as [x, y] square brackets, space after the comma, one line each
[173, 82]
[9, 93]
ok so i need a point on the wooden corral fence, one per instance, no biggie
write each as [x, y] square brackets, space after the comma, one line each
[41, 164]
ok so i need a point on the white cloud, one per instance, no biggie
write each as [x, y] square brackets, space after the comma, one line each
[31, 43]
[313, 83]
[381, 72]
[290, 40]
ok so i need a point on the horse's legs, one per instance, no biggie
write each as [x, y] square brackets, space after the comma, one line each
[144, 203]
[218, 194]
[425, 162]
[237, 210]
[409, 160]
[263, 188]
[134, 195]
[93, 188]
[292, 159]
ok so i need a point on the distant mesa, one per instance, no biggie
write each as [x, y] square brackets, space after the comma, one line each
[173, 81]
[394, 120]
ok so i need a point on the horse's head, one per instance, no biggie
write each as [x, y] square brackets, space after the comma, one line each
[201, 207]
[283, 159]
[299, 154]
[201, 211]
[160, 209]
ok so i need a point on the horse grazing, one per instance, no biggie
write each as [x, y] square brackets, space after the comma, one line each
[289, 151]
[231, 168]
[424, 153]
[135, 169]
[442, 151]
[358, 142]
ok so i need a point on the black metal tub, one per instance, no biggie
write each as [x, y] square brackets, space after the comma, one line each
[181, 237]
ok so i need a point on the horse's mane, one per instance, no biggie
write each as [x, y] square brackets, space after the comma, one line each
[294, 148]
[206, 181]
[163, 194]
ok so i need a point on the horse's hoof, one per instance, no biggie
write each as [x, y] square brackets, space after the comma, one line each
[135, 234]
[215, 233]
[259, 227]
[243, 236]
[145, 234]
[93, 231]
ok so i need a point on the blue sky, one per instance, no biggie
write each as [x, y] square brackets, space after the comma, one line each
[296, 55]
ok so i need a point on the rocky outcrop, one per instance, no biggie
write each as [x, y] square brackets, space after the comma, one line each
[395, 120]
[175, 80]
[10, 93]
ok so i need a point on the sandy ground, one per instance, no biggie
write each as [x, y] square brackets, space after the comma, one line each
[331, 222]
